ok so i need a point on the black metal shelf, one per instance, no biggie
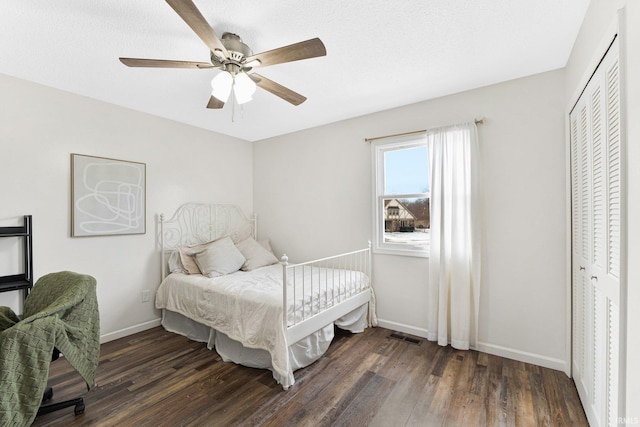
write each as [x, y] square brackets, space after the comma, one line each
[15, 285]
[22, 281]
[13, 232]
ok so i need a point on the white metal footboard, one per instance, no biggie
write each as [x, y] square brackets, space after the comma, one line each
[316, 293]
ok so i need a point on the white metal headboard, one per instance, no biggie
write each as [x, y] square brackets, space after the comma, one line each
[195, 223]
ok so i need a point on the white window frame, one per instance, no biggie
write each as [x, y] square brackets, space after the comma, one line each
[379, 148]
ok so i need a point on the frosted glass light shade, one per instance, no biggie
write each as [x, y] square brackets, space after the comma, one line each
[221, 85]
[244, 88]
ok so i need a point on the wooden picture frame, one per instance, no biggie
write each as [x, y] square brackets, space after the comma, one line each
[108, 196]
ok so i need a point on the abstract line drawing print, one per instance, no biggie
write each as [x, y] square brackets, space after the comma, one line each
[109, 197]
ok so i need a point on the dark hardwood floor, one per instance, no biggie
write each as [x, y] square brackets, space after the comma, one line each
[156, 378]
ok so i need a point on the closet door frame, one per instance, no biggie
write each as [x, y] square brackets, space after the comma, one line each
[622, 63]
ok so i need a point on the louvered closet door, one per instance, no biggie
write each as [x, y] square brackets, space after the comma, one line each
[595, 193]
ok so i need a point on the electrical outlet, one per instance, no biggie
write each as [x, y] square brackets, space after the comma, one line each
[145, 295]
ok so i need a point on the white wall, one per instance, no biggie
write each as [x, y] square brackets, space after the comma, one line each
[40, 127]
[598, 28]
[312, 192]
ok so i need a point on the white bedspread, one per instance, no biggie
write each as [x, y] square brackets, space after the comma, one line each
[247, 306]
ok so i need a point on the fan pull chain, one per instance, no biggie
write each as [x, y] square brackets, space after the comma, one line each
[233, 102]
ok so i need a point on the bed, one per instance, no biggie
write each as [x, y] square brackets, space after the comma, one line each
[266, 313]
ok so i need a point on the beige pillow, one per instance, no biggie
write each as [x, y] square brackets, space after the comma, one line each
[266, 245]
[186, 256]
[255, 254]
[219, 258]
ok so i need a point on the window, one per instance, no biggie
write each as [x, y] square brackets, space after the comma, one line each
[401, 199]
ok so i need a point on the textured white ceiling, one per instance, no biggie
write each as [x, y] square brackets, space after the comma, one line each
[380, 53]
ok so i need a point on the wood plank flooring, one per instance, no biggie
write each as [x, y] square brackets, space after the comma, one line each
[156, 378]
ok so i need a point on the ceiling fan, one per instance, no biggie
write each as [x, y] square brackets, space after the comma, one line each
[235, 59]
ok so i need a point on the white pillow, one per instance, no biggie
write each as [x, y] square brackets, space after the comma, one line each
[175, 266]
[219, 258]
[256, 255]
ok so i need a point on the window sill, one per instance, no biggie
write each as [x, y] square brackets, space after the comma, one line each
[402, 252]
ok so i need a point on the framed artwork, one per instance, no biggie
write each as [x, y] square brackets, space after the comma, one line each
[108, 196]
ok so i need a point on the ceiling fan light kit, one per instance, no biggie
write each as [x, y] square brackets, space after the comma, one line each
[243, 88]
[221, 85]
[235, 60]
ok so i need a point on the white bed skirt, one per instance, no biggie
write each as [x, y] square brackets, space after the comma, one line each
[301, 354]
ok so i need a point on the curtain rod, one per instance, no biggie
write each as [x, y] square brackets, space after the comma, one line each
[477, 122]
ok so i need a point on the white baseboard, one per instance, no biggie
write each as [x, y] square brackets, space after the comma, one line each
[523, 356]
[129, 331]
[496, 350]
[401, 327]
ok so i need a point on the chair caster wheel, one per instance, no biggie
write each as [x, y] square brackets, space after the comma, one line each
[79, 409]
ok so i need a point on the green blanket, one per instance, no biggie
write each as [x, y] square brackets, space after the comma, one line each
[62, 312]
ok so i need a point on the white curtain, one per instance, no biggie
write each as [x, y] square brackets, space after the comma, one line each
[454, 260]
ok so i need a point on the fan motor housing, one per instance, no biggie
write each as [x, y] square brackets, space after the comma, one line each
[238, 51]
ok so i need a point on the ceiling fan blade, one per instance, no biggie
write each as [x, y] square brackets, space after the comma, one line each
[215, 103]
[278, 90]
[194, 19]
[163, 63]
[294, 52]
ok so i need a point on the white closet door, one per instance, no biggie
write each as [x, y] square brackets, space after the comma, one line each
[595, 176]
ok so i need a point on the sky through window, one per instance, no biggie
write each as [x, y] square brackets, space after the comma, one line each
[406, 171]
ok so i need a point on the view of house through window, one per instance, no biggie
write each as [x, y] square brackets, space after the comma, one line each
[402, 196]
[406, 220]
